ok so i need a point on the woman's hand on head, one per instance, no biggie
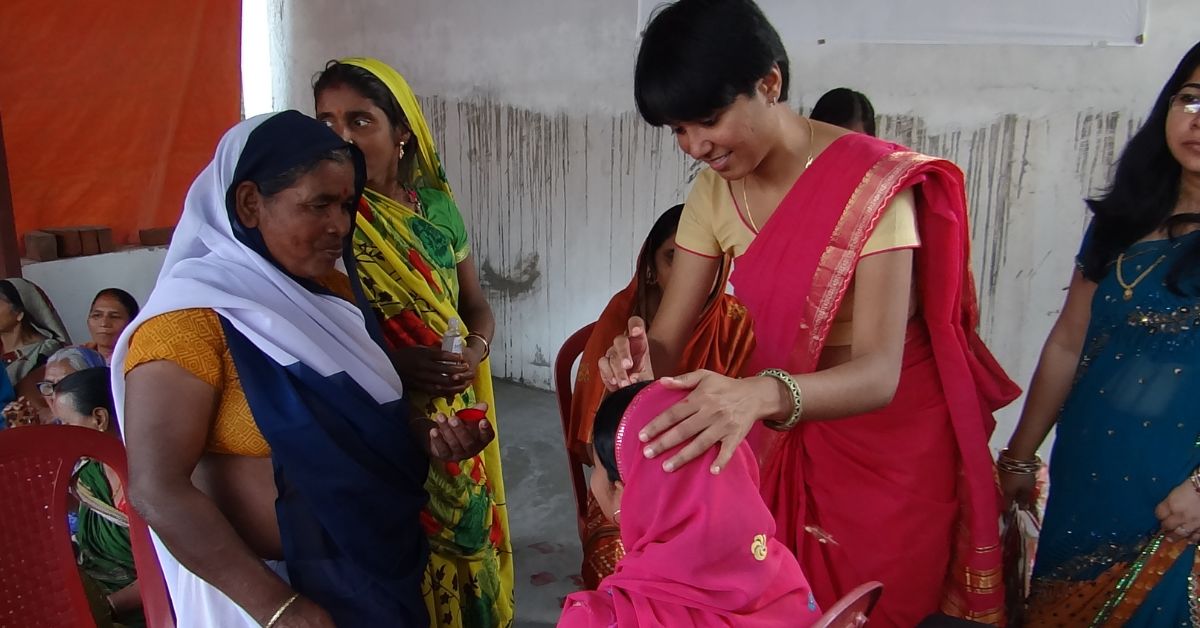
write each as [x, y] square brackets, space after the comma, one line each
[627, 361]
[451, 439]
[719, 411]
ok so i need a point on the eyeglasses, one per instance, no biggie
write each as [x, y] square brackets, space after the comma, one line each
[46, 388]
[1186, 102]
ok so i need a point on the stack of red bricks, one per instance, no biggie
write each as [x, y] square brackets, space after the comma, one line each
[50, 244]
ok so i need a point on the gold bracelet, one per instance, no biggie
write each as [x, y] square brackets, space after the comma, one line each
[789, 382]
[487, 346]
[279, 613]
[1008, 464]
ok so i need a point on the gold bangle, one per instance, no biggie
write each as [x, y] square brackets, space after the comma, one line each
[1008, 464]
[789, 382]
[279, 613]
[487, 346]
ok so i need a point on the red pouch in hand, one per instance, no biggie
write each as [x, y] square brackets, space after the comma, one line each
[471, 415]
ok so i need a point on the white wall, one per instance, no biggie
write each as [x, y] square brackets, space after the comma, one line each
[72, 283]
[559, 180]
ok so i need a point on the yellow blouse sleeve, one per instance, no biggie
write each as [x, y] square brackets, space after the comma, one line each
[192, 339]
[195, 340]
[897, 228]
[696, 232]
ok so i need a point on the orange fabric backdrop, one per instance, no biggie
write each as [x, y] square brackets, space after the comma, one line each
[110, 109]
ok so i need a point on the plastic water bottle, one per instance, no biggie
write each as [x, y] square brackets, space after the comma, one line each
[452, 340]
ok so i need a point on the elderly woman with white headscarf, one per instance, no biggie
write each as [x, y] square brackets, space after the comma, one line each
[269, 446]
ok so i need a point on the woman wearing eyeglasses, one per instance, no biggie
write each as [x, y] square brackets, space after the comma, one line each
[1117, 375]
[61, 364]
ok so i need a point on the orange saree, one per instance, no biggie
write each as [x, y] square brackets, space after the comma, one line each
[722, 342]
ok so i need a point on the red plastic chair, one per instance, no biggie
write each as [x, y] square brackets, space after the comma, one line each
[564, 385]
[852, 610]
[39, 578]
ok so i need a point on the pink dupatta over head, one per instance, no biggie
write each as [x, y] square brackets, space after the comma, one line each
[814, 240]
[700, 549]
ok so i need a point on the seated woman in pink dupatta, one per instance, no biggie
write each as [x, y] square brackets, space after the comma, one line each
[700, 550]
[851, 255]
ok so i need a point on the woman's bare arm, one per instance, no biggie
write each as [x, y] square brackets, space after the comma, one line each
[168, 414]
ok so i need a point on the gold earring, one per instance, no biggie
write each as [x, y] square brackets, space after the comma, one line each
[401, 156]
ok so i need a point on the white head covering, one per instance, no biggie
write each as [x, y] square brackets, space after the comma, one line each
[207, 267]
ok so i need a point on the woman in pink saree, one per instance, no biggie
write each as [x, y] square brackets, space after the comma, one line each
[851, 255]
[700, 549]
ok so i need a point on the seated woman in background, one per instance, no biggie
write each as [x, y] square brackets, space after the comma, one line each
[84, 399]
[701, 548]
[263, 420]
[30, 331]
[61, 364]
[846, 108]
[112, 310]
[721, 342]
[26, 338]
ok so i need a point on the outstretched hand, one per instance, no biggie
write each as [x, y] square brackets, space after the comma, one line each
[451, 439]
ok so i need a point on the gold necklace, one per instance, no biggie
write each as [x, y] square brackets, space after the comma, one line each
[1130, 286]
[745, 180]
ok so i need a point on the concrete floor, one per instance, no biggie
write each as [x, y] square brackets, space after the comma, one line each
[541, 508]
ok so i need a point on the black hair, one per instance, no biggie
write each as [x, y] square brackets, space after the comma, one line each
[664, 229]
[124, 298]
[604, 428]
[843, 107]
[87, 390]
[1143, 192]
[270, 186]
[361, 80]
[698, 56]
[9, 293]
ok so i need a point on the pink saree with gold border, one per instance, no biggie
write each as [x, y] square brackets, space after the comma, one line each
[907, 494]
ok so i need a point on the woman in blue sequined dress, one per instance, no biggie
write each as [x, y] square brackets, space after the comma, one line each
[1120, 376]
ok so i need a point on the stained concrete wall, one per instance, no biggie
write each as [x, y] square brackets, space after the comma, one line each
[559, 180]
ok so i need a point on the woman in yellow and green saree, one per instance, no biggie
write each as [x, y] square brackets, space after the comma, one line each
[418, 273]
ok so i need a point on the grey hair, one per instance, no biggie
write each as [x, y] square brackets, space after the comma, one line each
[79, 358]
